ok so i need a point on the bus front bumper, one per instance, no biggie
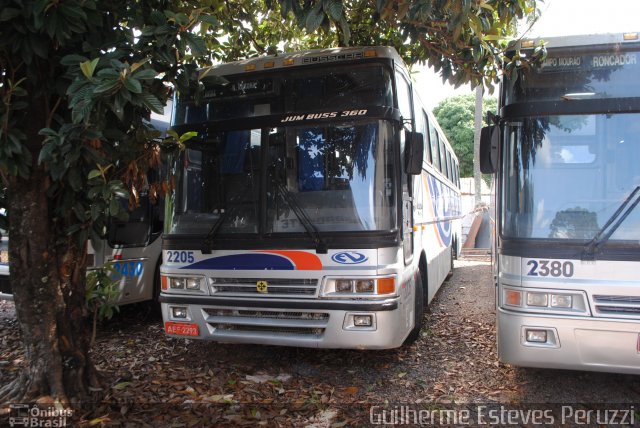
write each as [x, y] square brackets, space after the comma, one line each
[573, 343]
[313, 324]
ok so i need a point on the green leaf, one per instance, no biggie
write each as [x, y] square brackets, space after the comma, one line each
[79, 211]
[133, 85]
[152, 103]
[187, 136]
[8, 13]
[114, 207]
[96, 211]
[314, 18]
[88, 67]
[109, 72]
[209, 19]
[106, 86]
[346, 31]
[196, 44]
[145, 74]
[94, 173]
[333, 9]
[75, 180]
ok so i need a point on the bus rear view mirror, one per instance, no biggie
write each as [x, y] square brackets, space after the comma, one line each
[414, 150]
[489, 140]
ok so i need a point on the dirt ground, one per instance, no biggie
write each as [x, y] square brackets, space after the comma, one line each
[152, 380]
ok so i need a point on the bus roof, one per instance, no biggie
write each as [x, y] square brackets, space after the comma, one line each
[292, 59]
[579, 40]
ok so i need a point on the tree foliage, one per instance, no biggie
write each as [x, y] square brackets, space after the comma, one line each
[455, 116]
[463, 40]
[78, 80]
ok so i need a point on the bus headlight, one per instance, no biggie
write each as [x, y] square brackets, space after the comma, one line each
[537, 299]
[365, 286]
[545, 301]
[344, 286]
[193, 283]
[359, 287]
[176, 283]
[561, 301]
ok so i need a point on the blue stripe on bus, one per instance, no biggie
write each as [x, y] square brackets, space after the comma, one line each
[441, 208]
[251, 261]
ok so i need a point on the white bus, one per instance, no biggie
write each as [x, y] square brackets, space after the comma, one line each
[318, 206]
[566, 152]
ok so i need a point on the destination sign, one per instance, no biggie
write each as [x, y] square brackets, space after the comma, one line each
[589, 62]
[239, 88]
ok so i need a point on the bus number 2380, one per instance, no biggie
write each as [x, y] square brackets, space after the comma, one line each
[553, 268]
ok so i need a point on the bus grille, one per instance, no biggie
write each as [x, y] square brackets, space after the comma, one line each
[617, 306]
[238, 322]
[275, 287]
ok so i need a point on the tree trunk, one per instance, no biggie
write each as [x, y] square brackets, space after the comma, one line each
[48, 285]
[477, 124]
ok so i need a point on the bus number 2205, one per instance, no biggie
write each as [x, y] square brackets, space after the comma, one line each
[180, 257]
[550, 268]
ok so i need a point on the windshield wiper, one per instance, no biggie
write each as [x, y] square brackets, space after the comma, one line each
[612, 224]
[309, 227]
[207, 243]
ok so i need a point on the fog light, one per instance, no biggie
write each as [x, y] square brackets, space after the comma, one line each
[343, 286]
[537, 336]
[179, 312]
[561, 301]
[365, 286]
[537, 299]
[362, 320]
[193, 283]
[176, 282]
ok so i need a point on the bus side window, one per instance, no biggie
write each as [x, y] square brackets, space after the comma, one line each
[443, 156]
[425, 132]
[433, 142]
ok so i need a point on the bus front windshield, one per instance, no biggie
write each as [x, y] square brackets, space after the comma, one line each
[566, 176]
[338, 175]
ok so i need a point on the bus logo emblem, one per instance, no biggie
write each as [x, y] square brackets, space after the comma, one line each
[262, 286]
[349, 258]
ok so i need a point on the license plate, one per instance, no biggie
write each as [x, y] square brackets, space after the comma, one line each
[181, 329]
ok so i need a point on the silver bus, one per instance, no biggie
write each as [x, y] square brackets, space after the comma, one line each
[565, 150]
[132, 247]
[318, 206]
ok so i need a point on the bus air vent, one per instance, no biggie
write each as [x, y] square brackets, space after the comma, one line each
[617, 306]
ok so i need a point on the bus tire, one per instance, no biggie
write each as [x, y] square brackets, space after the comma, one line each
[418, 312]
[155, 301]
[451, 258]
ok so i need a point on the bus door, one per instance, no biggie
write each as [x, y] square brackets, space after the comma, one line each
[404, 104]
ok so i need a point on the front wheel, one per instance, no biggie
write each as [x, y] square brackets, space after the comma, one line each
[418, 312]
